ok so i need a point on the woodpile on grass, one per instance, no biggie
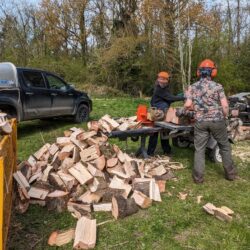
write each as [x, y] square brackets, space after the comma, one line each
[83, 173]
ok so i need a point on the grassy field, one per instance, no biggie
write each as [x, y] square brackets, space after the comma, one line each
[171, 224]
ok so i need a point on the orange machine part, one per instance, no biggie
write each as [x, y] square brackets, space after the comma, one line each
[142, 115]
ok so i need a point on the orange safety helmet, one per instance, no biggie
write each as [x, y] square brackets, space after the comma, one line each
[163, 74]
[207, 64]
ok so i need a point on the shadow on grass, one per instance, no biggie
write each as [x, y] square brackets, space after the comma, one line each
[32, 127]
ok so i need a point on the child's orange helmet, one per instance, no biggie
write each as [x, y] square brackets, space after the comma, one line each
[208, 68]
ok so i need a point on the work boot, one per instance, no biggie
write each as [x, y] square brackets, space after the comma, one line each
[197, 180]
[231, 174]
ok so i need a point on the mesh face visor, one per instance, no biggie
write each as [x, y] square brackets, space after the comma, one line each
[204, 72]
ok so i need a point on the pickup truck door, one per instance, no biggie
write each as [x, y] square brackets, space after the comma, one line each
[63, 97]
[36, 96]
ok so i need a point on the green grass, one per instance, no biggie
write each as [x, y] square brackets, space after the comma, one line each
[171, 224]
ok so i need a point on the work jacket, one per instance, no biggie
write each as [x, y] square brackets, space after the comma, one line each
[162, 98]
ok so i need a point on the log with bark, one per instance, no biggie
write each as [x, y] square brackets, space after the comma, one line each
[122, 207]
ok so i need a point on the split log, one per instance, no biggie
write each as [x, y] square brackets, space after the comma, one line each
[68, 180]
[175, 165]
[80, 144]
[90, 153]
[222, 215]
[58, 204]
[129, 169]
[21, 180]
[66, 164]
[26, 169]
[112, 162]
[81, 173]
[168, 176]
[61, 238]
[85, 234]
[79, 207]
[142, 185]
[122, 207]
[110, 192]
[209, 208]
[90, 198]
[92, 141]
[35, 177]
[124, 126]
[227, 210]
[118, 170]
[23, 194]
[100, 162]
[41, 203]
[141, 199]
[53, 149]
[76, 155]
[117, 183]
[158, 171]
[67, 133]
[57, 193]
[38, 193]
[94, 171]
[94, 186]
[63, 141]
[32, 161]
[93, 125]
[76, 133]
[107, 150]
[73, 129]
[111, 122]
[102, 207]
[104, 126]
[46, 173]
[55, 161]
[56, 181]
[154, 191]
[86, 135]
[38, 155]
[66, 151]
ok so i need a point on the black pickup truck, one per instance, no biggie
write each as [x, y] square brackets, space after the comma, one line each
[29, 94]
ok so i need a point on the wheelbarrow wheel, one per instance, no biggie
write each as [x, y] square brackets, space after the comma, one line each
[215, 155]
[134, 138]
[180, 142]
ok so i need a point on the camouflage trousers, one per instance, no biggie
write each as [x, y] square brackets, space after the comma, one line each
[202, 131]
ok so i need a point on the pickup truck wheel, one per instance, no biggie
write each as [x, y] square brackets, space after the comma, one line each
[82, 114]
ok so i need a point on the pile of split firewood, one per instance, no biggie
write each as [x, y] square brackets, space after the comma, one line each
[82, 173]
[106, 124]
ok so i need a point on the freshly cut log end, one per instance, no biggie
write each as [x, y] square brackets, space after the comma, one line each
[100, 162]
[122, 207]
[61, 238]
[112, 162]
[52, 238]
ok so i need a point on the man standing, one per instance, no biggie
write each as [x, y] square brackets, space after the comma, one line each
[161, 99]
[211, 110]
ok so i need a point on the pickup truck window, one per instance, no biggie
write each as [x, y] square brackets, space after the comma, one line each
[56, 83]
[33, 79]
